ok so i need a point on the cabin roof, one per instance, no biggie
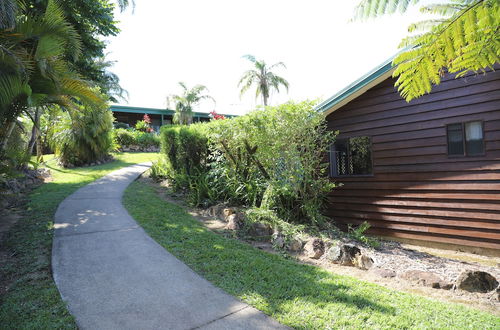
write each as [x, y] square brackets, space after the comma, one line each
[358, 87]
[156, 111]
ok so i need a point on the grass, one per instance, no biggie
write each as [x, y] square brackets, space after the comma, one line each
[32, 300]
[297, 295]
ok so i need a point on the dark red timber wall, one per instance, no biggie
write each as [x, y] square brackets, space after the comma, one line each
[417, 191]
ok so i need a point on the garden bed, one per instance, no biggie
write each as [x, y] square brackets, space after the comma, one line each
[397, 266]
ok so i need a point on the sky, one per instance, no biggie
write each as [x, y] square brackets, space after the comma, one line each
[202, 42]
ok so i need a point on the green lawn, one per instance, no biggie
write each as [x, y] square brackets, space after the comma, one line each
[32, 300]
[300, 296]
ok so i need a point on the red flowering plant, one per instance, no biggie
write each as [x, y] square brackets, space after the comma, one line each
[216, 116]
[144, 125]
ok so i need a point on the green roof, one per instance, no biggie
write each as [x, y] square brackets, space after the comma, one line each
[156, 111]
[356, 86]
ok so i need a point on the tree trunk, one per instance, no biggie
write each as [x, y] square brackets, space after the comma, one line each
[5, 137]
[264, 97]
[35, 131]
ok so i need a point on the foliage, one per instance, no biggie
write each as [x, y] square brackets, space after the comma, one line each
[83, 137]
[185, 102]
[358, 234]
[465, 39]
[272, 158]
[297, 295]
[263, 77]
[93, 21]
[16, 152]
[35, 69]
[130, 137]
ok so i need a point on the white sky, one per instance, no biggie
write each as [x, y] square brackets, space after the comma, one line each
[202, 42]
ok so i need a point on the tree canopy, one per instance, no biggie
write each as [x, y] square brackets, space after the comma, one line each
[263, 77]
[185, 102]
[466, 38]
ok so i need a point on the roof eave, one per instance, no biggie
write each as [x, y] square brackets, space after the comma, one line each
[357, 88]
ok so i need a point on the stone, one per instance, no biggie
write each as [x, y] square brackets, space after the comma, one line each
[343, 254]
[476, 281]
[424, 278]
[233, 222]
[259, 229]
[227, 212]
[363, 261]
[384, 273]
[315, 248]
[279, 242]
[295, 245]
[445, 285]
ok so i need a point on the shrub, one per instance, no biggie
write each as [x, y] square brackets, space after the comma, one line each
[277, 157]
[123, 137]
[273, 159]
[130, 137]
[83, 136]
[186, 148]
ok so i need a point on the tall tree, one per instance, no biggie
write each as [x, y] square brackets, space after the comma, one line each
[465, 39]
[263, 77]
[185, 102]
[35, 71]
[93, 21]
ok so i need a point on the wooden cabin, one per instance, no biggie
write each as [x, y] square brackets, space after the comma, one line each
[425, 171]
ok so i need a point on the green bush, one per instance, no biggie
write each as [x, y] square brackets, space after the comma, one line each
[82, 137]
[131, 137]
[272, 159]
[123, 137]
[186, 148]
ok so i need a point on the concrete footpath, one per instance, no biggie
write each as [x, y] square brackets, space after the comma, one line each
[113, 275]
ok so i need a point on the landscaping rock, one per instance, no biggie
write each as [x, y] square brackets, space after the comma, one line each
[295, 245]
[476, 281]
[279, 242]
[259, 229]
[363, 261]
[343, 254]
[217, 211]
[423, 278]
[234, 222]
[315, 248]
[384, 273]
[227, 212]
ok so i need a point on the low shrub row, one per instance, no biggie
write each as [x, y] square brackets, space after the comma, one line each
[272, 158]
[130, 138]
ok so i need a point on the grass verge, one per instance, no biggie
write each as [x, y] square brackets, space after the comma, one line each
[31, 299]
[297, 295]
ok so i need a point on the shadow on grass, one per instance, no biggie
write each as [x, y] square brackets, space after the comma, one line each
[273, 284]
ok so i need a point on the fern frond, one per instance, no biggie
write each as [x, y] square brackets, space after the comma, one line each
[467, 41]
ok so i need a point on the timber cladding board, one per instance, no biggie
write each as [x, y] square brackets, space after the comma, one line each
[417, 191]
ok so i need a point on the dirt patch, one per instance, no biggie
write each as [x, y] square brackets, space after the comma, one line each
[392, 260]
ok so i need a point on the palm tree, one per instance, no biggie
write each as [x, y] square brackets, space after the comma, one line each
[263, 77]
[184, 103]
[35, 73]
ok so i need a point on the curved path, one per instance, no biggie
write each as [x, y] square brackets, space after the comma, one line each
[113, 275]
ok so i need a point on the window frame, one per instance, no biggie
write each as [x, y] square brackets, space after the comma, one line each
[464, 140]
[333, 164]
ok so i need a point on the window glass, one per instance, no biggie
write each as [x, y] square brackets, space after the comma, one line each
[361, 156]
[351, 156]
[474, 138]
[455, 139]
